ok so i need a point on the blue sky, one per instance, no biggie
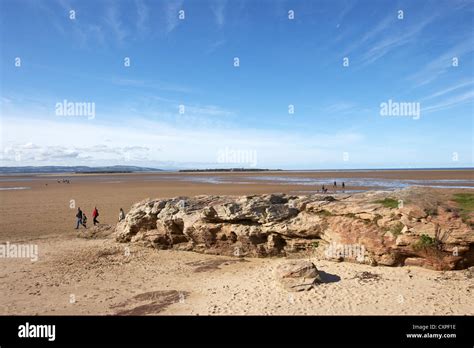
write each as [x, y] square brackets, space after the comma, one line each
[238, 110]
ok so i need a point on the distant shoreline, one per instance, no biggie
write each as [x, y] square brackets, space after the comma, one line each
[243, 170]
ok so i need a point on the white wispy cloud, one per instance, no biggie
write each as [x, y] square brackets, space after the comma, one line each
[454, 101]
[215, 45]
[82, 28]
[142, 16]
[449, 90]
[442, 63]
[87, 33]
[394, 38]
[339, 108]
[208, 110]
[359, 43]
[152, 85]
[347, 7]
[114, 23]
[171, 10]
[218, 9]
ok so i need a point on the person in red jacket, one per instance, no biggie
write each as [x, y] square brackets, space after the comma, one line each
[95, 215]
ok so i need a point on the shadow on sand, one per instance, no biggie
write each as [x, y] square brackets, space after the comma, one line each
[328, 277]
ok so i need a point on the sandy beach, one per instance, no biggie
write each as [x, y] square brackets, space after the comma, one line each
[99, 276]
[75, 276]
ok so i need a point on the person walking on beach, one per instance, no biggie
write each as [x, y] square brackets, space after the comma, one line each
[343, 185]
[121, 215]
[84, 220]
[79, 217]
[95, 215]
[335, 184]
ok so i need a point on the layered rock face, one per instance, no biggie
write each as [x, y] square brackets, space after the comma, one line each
[341, 227]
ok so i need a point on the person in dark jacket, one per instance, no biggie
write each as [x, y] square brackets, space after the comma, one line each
[79, 217]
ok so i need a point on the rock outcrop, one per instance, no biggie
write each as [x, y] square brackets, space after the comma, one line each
[343, 227]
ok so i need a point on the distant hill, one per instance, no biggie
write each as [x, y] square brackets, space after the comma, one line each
[75, 169]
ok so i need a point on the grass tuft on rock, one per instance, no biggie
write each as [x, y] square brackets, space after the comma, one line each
[388, 202]
[465, 202]
[397, 229]
[425, 242]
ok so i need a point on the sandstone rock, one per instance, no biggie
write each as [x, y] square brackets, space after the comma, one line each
[413, 212]
[414, 261]
[428, 229]
[384, 222]
[406, 221]
[365, 216]
[295, 245]
[404, 240]
[297, 275]
[275, 243]
[278, 225]
[388, 259]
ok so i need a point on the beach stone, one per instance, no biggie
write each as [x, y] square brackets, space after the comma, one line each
[297, 275]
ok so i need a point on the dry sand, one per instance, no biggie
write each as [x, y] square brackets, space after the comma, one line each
[104, 280]
[101, 279]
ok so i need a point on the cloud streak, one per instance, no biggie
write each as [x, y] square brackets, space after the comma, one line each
[449, 90]
[393, 39]
[218, 9]
[441, 64]
[454, 101]
[113, 21]
[171, 10]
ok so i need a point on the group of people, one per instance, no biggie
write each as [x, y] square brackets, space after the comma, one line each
[64, 181]
[325, 189]
[82, 218]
